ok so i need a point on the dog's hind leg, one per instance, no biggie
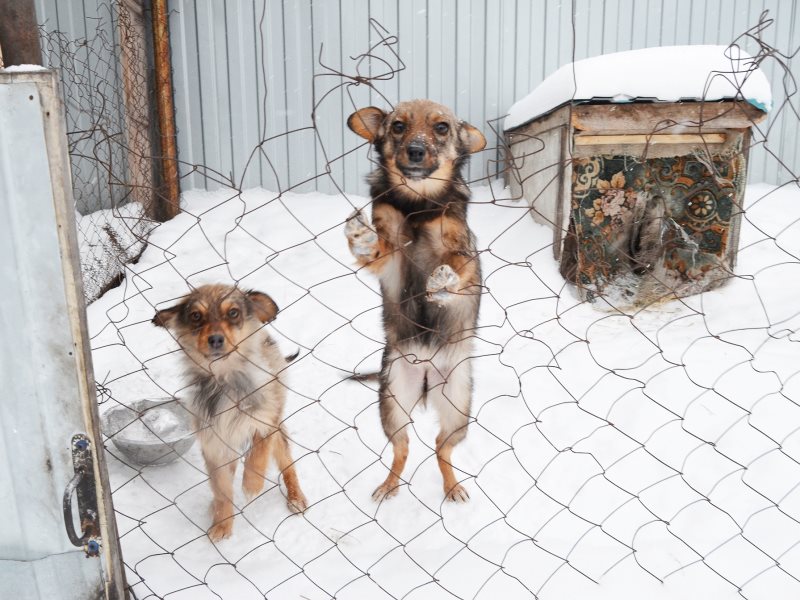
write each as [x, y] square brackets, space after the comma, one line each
[255, 464]
[295, 499]
[450, 391]
[401, 389]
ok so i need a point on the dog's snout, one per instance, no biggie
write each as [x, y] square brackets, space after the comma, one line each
[416, 152]
[216, 341]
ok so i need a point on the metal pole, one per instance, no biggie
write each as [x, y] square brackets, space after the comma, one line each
[165, 108]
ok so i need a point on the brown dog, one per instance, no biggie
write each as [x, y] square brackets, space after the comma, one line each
[424, 255]
[238, 401]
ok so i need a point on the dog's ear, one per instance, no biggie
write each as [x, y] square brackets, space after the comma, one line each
[366, 122]
[471, 139]
[164, 317]
[263, 307]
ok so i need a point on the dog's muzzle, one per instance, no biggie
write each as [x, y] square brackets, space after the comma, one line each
[413, 167]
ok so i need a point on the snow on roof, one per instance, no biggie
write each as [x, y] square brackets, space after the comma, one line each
[665, 73]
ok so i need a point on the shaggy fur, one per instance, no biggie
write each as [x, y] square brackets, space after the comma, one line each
[238, 399]
[420, 247]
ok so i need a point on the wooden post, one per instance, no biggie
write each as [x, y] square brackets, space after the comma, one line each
[133, 59]
[165, 107]
[19, 33]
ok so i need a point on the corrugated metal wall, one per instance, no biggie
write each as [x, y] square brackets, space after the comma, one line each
[83, 50]
[248, 71]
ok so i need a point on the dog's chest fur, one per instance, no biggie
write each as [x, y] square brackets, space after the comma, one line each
[408, 315]
[233, 401]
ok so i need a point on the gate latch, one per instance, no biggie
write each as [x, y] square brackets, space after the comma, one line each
[83, 486]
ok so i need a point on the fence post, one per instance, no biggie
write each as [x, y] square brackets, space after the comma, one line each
[19, 34]
[165, 107]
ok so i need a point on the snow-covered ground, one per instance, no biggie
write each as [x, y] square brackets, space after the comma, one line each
[645, 455]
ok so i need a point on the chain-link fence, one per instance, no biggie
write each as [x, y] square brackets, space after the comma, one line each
[108, 100]
[613, 450]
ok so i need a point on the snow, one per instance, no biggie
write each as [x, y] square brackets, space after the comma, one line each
[22, 68]
[665, 73]
[674, 431]
[108, 239]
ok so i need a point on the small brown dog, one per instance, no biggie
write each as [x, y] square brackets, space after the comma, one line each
[424, 255]
[238, 401]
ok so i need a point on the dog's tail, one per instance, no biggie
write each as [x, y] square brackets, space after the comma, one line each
[375, 376]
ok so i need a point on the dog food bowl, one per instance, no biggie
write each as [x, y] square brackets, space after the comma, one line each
[150, 432]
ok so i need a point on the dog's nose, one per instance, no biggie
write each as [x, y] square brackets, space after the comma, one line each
[216, 341]
[416, 153]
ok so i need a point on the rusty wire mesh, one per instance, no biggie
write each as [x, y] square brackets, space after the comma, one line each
[648, 450]
[108, 110]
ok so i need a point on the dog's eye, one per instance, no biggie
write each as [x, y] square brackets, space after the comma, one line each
[233, 313]
[398, 127]
[195, 316]
[441, 128]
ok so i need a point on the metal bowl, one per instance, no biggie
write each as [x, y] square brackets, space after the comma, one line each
[150, 432]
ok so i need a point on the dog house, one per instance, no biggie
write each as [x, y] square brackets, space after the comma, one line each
[638, 161]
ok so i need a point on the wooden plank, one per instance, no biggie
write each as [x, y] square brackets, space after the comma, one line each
[135, 73]
[19, 34]
[658, 138]
[664, 117]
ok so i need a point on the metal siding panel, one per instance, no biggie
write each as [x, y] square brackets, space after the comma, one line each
[494, 81]
[697, 22]
[244, 92]
[216, 127]
[274, 173]
[441, 55]
[186, 83]
[592, 14]
[385, 92]
[507, 86]
[669, 22]
[718, 21]
[610, 24]
[781, 118]
[355, 41]
[299, 78]
[683, 15]
[329, 114]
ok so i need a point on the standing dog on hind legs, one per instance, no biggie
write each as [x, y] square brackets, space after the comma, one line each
[424, 255]
[235, 370]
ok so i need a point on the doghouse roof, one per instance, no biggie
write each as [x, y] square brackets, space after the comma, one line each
[663, 74]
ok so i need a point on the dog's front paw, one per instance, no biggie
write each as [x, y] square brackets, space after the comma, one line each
[442, 284]
[297, 503]
[220, 531]
[385, 491]
[362, 238]
[457, 494]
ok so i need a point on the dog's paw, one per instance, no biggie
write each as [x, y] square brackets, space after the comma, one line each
[362, 238]
[252, 484]
[220, 531]
[297, 503]
[457, 494]
[441, 285]
[385, 491]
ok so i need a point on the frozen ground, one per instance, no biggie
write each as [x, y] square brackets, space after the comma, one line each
[651, 455]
